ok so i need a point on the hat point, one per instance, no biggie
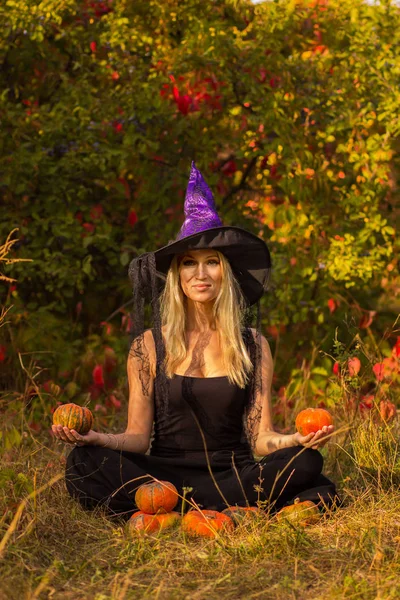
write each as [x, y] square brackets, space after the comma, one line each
[199, 208]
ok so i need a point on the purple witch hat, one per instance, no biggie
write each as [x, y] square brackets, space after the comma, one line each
[248, 254]
[200, 211]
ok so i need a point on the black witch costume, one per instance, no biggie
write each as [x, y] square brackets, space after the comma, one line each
[203, 426]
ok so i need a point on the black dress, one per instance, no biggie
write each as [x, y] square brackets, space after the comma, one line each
[199, 444]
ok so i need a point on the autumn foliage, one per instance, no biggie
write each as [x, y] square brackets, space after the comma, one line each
[289, 109]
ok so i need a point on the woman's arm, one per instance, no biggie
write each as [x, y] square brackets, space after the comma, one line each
[266, 439]
[136, 438]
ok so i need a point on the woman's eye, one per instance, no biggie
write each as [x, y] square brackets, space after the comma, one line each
[189, 263]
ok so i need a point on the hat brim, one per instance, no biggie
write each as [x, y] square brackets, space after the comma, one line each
[248, 256]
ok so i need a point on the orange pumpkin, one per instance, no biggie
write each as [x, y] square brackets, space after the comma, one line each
[207, 523]
[156, 496]
[141, 522]
[240, 514]
[168, 520]
[311, 420]
[73, 416]
[300, 513]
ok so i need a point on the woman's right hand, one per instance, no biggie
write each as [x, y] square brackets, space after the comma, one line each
[72, 437]
[314, 440]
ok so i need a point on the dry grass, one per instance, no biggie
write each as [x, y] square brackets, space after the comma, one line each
[54, 549]
[5, 259]
[5, 249]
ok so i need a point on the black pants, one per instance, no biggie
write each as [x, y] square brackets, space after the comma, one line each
[102, 477]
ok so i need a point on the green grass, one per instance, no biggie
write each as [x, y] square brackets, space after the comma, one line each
[57, 550]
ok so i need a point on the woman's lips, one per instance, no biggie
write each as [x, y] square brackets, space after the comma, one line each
[202, 286]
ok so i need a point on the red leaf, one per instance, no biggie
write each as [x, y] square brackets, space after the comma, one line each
[110, 359]
[320, 49]
[115, 75]
[387, 410]
[332, 305]
[132, 218]
[89, 227]
[275, 331]
[2, 353]
[96, 212]
[126, 323]
[367, 319]
[93, 46]
[354, 366]
[385, 369]
[107, 327]
[274, 81]
[118, 127]
[273, 173]
[378, 370]
[98, 378]
[164, 90]
[367, 403]
[229, 168]
[175, 93]
[46, 386]
[263, 75]
[336, 368]
[113, 401]
[183, 103]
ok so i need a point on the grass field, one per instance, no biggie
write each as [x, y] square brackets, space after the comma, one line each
[51, 548]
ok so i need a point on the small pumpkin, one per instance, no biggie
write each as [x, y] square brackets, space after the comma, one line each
[168, 520]
[241, 514]
[144, 523]
[300, 513]
[156, 496]
[311, 420]
[207, 523]
[73, 416]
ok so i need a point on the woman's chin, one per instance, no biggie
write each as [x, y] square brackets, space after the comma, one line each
[202, 297]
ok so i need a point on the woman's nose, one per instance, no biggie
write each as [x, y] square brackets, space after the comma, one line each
[201, 271]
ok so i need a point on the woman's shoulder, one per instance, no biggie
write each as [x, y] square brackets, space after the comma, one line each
[142, 345]
[252, 335]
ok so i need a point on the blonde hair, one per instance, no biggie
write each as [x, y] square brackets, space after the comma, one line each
[228, 313]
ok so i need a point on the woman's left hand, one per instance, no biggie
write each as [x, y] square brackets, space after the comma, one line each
[73, 438]
[314, 440]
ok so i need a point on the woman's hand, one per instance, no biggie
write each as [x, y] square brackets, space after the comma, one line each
[72, 437]
[314, 440]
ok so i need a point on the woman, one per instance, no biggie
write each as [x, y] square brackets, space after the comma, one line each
[204, 379]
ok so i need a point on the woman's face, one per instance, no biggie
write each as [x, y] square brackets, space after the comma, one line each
[200, 273]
